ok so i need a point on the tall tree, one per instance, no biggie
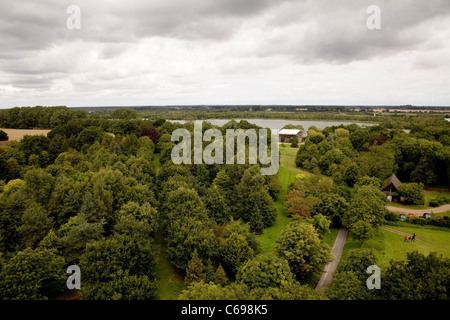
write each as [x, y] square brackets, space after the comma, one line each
[194, 271]
[300, 245]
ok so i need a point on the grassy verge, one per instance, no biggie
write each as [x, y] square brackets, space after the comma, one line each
[407, 206]
[441, 214]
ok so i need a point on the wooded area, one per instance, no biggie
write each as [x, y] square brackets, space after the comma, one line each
[100, 191]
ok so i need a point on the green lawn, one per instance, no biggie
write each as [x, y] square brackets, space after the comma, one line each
[407, 206]
[390, 246]
[441, 214]
[432, 194]
[171, 281]
[286, 176]
[330, 237]
[155, 162]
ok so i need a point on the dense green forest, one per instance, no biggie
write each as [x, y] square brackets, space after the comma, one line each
[100, 191]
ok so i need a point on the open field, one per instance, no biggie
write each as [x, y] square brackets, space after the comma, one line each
[390, 246]
[17, 134]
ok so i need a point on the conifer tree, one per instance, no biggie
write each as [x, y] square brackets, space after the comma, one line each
[194, 271]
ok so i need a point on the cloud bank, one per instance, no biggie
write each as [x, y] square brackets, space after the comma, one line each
[224, 52]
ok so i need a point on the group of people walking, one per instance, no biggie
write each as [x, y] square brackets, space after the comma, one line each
[410, 238]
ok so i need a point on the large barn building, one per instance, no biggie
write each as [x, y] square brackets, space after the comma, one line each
[285, 135]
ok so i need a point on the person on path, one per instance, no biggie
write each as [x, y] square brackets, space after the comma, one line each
[406, 238]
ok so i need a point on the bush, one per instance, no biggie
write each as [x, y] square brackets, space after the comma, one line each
[440, 200]
[391, 216]
[434, 203]
[435, 221]
[411, 192]
[3, 136]
[294, 142]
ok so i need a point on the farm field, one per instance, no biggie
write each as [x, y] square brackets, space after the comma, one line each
[18, 134]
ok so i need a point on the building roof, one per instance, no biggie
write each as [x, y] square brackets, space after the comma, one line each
[392, 179]
[289, 131]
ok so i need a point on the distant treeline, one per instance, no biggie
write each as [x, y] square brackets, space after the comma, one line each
[38, 117]
[51, 117]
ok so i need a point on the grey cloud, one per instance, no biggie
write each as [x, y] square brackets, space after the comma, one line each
[335, 33]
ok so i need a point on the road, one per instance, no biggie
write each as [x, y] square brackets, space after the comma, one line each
[420, 212]
[336, 251]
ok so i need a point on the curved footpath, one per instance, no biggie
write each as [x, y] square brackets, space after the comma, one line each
[336, 251]
[338, 247]
[420, 212]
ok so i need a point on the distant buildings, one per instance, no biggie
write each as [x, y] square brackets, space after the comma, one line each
[285, 135]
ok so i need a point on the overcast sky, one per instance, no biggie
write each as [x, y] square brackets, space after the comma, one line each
[167, 52]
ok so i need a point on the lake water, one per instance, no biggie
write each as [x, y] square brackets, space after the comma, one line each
[274, 124]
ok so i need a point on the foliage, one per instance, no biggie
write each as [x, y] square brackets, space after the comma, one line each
[294, 142]
[35, 225]
[321, 224]
[234, 251]
[419, 277]
[194, 271]
[300, 245]
[221, 276]
[265, 271]
[368, 204]
[32, 274]
[411, 192]
[3, 136]
[105, 258]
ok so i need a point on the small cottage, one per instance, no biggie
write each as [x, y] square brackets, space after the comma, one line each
[390, 188]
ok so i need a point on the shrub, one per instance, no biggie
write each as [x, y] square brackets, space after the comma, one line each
[3, 136]
[411, 192]
[391, 216]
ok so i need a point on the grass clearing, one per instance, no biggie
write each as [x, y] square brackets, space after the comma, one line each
[407, 206]
[171, 279]
[391, 246]
[286, 175]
